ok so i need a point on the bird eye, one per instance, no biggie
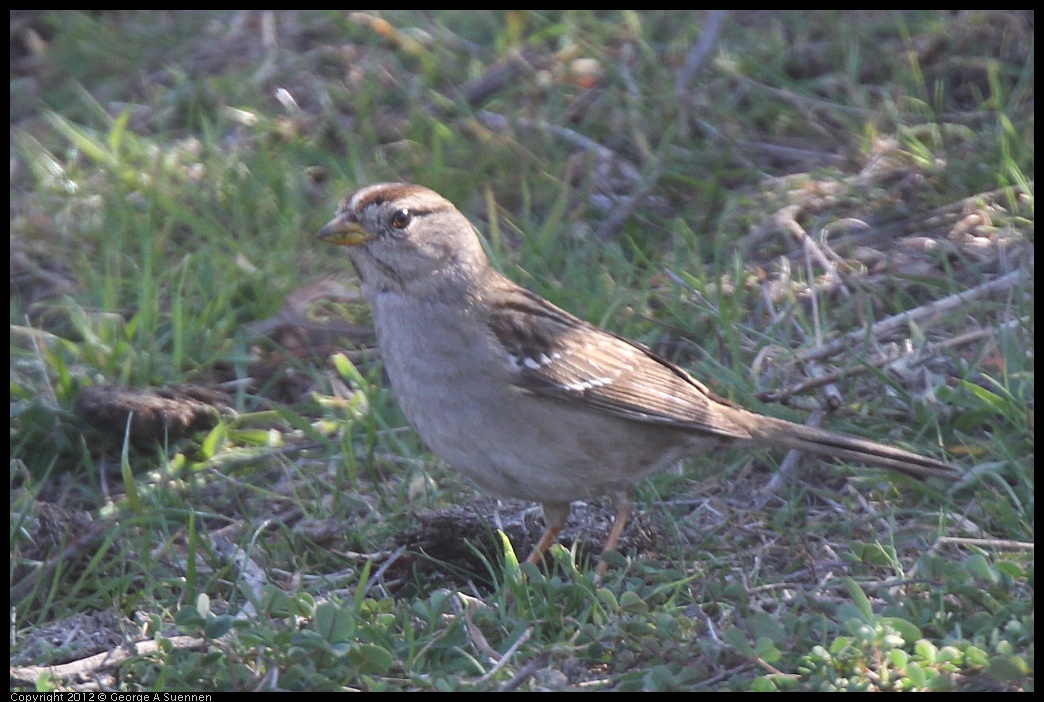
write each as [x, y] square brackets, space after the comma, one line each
[401, 219]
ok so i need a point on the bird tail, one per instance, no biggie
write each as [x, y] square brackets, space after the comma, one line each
[779, 432]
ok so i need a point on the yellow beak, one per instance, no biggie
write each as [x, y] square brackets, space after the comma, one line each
[341, 230]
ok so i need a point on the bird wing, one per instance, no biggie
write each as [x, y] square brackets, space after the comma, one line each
[558, 355]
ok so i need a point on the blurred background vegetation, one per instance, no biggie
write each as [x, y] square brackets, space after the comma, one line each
[205, 461]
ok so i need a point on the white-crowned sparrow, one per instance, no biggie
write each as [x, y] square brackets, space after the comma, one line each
[524, 398]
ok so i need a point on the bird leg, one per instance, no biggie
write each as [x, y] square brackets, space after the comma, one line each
[555, 516]
[623, 503]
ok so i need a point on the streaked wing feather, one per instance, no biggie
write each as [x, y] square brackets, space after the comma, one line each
[561, 356]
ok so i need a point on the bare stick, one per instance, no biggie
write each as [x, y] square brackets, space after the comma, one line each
[698, 53]
[920, 314]
[85, 668]
[880, 361]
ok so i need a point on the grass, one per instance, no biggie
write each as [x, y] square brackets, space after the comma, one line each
[205, 459]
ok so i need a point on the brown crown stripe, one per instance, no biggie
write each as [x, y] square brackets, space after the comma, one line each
[389, 192]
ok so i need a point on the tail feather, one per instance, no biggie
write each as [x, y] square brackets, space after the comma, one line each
[803, 438]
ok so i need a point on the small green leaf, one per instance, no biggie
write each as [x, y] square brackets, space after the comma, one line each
[606, 595]
[926, 650]
[978, 566]
[189, 618]
[347, 370]
[276, 603]
[766, 649]
[632, 602]
[214, 438]
[510, 559]
[905, 628]
[915, 674]
[975, 656]
[334, 623]
[371, 659]
[216, 627]
[872, 553]
[860, 599]
[995, 402]
[271, 438]
[46, 682]
[767, 626]
[763, 683]
[737, 639]
[119, 128]
[840, 644]
[90, 145]
[1013, 570]
[1011, 669]
[849, 612]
